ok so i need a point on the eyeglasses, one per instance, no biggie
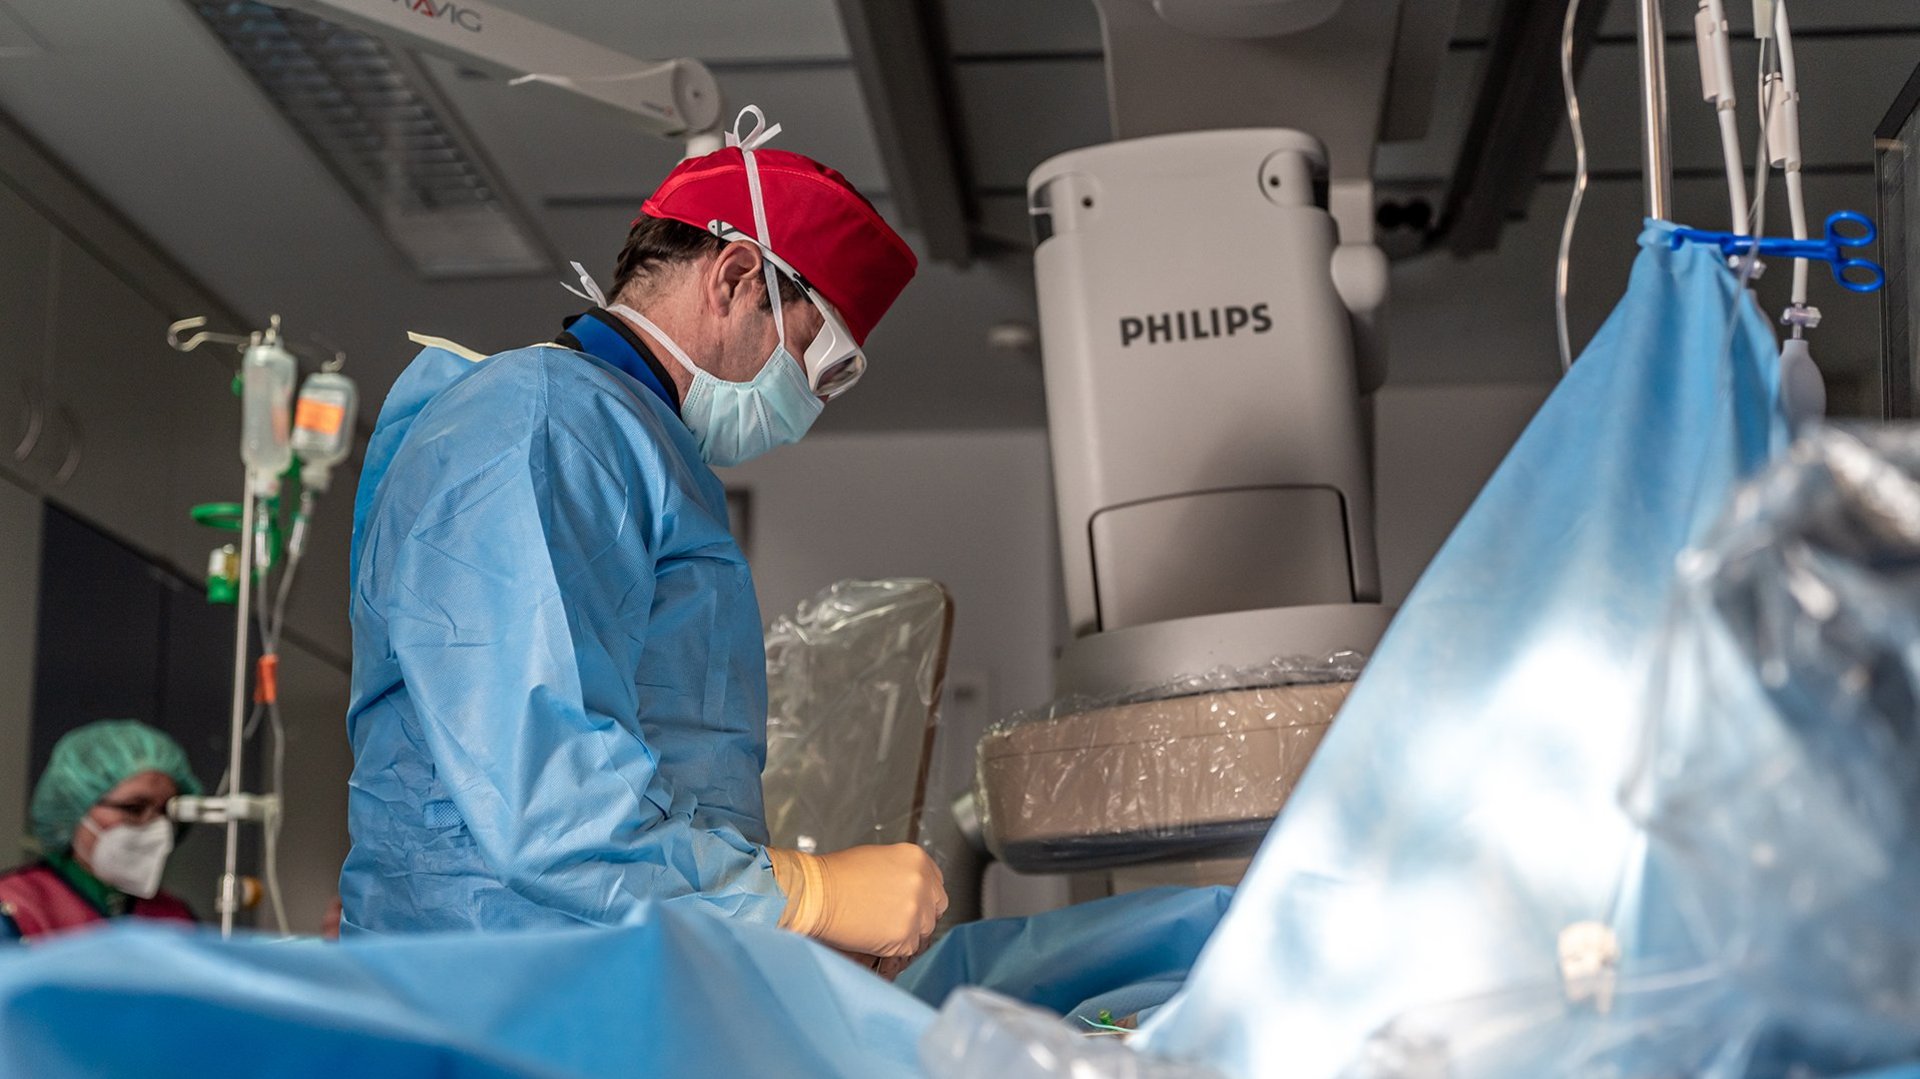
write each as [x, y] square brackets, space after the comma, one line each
[137, 812]
[834, 361]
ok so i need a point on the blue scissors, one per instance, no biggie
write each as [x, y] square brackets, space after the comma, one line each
[1855, 274]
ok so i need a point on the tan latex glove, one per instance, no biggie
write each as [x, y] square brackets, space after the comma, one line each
[878, 901]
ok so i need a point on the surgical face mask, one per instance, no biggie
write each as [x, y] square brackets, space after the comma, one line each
[738, 421]
[131, 857]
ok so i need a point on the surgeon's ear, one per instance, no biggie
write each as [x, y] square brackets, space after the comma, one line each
[732, 278]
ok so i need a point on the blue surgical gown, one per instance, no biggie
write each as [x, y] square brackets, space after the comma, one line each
[559, 685]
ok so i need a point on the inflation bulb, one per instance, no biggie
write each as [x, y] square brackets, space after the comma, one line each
[1803, 391]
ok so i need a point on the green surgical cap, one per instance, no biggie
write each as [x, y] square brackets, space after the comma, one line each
[89, 762]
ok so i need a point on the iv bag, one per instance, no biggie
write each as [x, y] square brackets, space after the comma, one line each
[266, 380]
[323, 424]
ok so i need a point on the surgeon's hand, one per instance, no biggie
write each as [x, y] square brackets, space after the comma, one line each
[878, 901]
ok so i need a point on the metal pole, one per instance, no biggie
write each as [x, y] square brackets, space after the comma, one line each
[1656, 150]
[229, 899]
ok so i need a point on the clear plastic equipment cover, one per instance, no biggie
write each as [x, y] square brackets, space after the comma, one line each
[1778, 789]
[1197, 766]
[853, 684]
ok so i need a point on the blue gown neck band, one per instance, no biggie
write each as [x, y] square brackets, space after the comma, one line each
[604, 335]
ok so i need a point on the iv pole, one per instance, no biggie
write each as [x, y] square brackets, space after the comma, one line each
[273, 437]
[229, 901]
[1656, 148]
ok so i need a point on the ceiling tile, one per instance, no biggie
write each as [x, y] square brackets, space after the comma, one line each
[708, 29]
[1021, 27]
[1016, 114]
[1849, 15]
[1846, 85]
[1476, 16]
[553, 150]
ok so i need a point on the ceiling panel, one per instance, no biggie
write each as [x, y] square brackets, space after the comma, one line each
[16, 40]
[707, 29]
[823, 114]
[1476, 16]
[552, 149]
[1005, 220]
[1822, 15]
[1021, 27]
[1846, 84]
[1434, 155]
[549, 147]
[1016, 114]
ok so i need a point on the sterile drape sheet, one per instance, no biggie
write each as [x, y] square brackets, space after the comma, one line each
[680, 993]
[1465, 807]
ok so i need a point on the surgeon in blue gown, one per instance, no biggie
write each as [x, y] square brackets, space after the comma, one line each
[559, 700]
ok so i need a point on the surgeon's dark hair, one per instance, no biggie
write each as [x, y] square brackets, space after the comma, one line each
[658, 244]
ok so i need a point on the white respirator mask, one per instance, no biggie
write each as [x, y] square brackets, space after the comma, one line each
[131, 857]
[732, 422]
[738, 421]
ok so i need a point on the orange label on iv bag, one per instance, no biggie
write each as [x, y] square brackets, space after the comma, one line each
[320, 417]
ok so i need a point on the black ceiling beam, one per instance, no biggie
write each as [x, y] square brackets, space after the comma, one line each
[1519, 113]
[900, 57]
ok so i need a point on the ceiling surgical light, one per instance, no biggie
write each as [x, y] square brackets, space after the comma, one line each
[374, 116]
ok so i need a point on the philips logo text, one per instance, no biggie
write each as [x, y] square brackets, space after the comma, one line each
[464, 17]
[1197, 325]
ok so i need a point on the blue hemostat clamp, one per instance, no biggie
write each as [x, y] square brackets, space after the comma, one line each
[1858, 275]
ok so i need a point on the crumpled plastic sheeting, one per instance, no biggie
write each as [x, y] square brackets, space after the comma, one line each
[982, 1035]
[1196, 767]
[682, 993]
[1778, 785]
[1780, 780]
[853, 678]
[1122, 954]
[1465, 810]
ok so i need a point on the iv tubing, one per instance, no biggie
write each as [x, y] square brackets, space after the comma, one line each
[271, 627]
[1563, 268]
